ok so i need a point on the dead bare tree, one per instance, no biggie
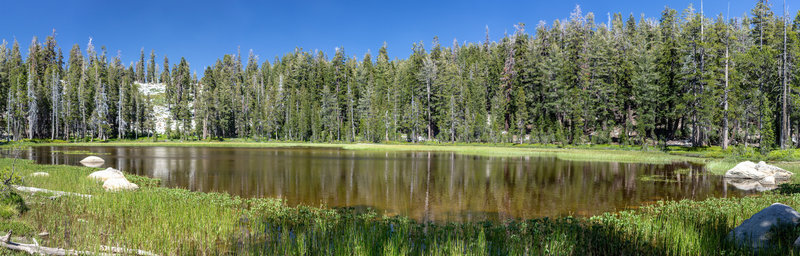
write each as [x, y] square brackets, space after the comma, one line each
[8, 179]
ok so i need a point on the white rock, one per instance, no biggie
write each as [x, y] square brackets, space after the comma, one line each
[745, 170]
[109, 173]
[756, 231]
[771, 169]
[40, 174]
[93, 159]
[769, 180]
[750, 170]
[118, 184]
[783, 175]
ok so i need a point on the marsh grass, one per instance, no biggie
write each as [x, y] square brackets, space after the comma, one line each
[78, 152]
[179, 222]
[606, 153]
[656, 178]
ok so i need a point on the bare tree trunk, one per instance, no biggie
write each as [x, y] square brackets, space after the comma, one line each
[784, 114]
[725, 92]
[429, 109]
[725, 102]
[761, 92]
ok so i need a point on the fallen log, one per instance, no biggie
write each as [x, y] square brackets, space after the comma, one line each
[126, 251]
[36, 249]
[41, 190]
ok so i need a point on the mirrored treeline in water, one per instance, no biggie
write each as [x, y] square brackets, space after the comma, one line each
[435, 186]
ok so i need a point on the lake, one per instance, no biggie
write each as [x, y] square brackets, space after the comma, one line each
[426, 186]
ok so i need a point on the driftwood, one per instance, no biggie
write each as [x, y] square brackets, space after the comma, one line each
[41, 190]
[126, 251]
[36, 249]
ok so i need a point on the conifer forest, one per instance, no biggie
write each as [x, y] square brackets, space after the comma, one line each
[696, 78]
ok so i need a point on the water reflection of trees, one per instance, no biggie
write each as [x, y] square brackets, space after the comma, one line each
[423, 185]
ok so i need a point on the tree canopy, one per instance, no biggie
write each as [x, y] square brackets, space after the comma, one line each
[682, 76]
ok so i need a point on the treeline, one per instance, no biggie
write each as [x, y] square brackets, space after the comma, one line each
[86, 97]
[684, 76]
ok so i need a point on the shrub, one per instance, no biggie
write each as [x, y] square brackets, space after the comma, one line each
[788, 188]
[6, 174]
[11, 204]
[8, 211]
[143, 181]
[18, 227]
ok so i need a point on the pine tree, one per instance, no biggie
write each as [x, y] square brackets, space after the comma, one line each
[140, 71]
[151, 68]
[384, 90]
[644, 80]
[669, 76]
[33, 81]
[686, 77]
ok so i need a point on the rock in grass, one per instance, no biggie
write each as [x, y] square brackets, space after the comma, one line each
[757, 231]
[744, 170]
[769, 180]
[119, 184]
[40, 174]
[93, 159]
[759, 176]
[108, 173]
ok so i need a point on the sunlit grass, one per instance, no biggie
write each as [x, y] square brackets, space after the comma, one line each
[604, 153]
[179, 222]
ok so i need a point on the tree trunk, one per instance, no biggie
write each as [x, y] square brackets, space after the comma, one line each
[784, 114]
[725, 102]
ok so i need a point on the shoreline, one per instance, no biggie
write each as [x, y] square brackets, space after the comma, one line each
[716, 160]
[166, 220]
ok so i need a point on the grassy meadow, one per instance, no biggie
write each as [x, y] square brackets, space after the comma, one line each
[170, 221]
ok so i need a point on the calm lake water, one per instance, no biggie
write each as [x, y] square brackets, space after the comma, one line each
[433, 186]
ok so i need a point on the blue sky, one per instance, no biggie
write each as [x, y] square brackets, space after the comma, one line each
[203, 31]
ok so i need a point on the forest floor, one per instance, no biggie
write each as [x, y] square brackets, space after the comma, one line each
[170, 221]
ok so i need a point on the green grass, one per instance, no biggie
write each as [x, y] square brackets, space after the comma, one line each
[78, 152]
[614, 153]
[716, 160]
[179, 222]
[578, 153]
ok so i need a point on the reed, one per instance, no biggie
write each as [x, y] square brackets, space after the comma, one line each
[179, 222]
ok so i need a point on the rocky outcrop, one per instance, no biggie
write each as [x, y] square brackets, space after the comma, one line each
[757, 231]
[119, 184]
[759, 176]
[108, 173]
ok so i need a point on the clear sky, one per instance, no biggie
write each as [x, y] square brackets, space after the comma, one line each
[203, 31]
